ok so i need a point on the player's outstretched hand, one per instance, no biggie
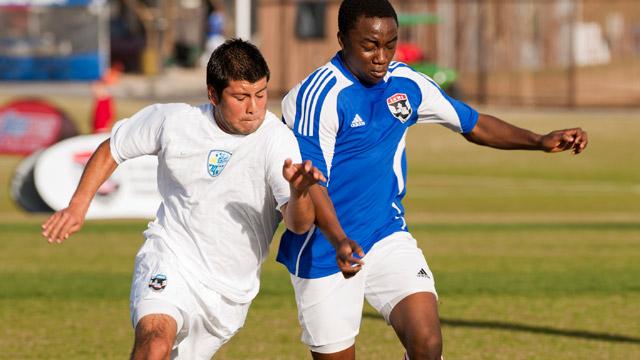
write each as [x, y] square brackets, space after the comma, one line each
[349, 264]
[301, 176]
[62, 224]
[568, 139]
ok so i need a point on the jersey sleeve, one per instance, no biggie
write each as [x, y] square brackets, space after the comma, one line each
[138, 135]
[438, 107]
[283, 146]
[310, 110]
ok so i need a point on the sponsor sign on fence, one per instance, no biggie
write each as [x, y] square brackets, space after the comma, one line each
[131, 192]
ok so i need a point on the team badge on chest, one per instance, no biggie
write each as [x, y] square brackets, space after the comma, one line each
[216, 162]
[399, 106]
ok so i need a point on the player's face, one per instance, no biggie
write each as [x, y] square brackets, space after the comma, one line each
[241, 107]
[368, 48]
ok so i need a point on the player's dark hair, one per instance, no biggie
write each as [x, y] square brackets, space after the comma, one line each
[351, 10]
[235, 59]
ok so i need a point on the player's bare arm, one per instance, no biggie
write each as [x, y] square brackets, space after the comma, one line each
[299, 212]
[493, 132]
[70, 219]
[328, 222]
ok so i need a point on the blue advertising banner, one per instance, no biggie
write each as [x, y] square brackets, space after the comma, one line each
[36, 45]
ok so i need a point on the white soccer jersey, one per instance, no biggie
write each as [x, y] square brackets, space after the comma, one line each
[220, 192]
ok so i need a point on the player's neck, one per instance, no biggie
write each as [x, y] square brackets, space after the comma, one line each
[222, 123]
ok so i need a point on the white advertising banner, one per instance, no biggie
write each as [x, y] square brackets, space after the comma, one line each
[131, 192]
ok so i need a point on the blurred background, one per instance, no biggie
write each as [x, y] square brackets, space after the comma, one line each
[524, 52]
[535, 255]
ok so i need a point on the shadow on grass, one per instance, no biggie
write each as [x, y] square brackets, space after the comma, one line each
[498, 325]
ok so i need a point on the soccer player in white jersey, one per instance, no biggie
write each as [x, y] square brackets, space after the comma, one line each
[350, 117]
[228, 171]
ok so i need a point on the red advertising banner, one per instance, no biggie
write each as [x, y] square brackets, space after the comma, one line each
[29, 125]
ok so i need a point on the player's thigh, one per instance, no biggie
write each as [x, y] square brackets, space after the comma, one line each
[205, 319]
[329, 310]
[416, 322]
[212, 325]
[158, 287]
[397, 269]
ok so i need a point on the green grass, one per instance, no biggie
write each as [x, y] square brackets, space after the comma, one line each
[535, 256]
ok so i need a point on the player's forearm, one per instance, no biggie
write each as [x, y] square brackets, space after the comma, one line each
[326, 218]
[299, 213]
[100, 166]
[493, 132]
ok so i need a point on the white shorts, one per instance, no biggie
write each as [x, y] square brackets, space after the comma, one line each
[330, 308]
[206, 320]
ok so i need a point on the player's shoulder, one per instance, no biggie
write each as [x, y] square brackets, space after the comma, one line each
[401, 70]
[322, 78]
[325, 71]
[317, 86]
[182, 109]
[274, 132]
[171, 110]
[272, 124]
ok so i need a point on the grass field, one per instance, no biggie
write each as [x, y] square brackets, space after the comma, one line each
[536, 256]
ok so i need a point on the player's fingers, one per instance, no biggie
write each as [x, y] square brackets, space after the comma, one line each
[353, 261]
[72, 229]
[50, 225]
[565, 145]
[294, 179]
[70, 226]
[357, 249]
[346, 259]
[350, 272]
[306, 165]
[585, 141]
[54, 234]
[577, 144]
[568, 136]
[318, 175]
[47, 224]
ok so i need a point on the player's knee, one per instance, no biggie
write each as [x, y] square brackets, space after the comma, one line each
[154, 339]
[425, 345]
[155, 350]
[150, 346]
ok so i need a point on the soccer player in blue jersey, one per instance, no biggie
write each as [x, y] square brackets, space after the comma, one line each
[350, 118]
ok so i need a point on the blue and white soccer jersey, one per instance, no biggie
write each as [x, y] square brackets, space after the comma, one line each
[356, 135]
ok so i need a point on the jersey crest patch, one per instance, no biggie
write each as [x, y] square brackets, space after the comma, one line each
[216, 162]
[158, 282]
[399, 106]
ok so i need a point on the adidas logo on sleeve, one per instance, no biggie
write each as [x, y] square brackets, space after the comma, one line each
[357, 121]
[423, 273]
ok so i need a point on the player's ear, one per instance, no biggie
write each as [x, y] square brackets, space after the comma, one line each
[213, 97]
[340, 40]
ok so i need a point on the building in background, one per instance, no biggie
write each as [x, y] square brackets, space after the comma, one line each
[512, 52]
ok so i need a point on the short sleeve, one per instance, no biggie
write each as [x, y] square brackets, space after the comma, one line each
[438, 107]
[283, 146]
[310, 111]
[138, 135]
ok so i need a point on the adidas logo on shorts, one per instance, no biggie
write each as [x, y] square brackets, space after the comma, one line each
[423, 273]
